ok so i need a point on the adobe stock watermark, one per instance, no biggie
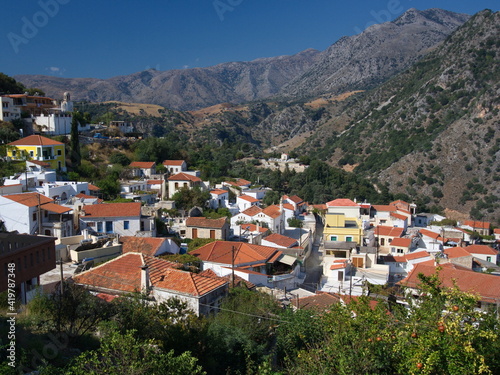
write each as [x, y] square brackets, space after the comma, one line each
[31, 26]
[384, 15]
[223, 6]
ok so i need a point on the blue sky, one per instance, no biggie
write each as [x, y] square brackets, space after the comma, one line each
[106, 38]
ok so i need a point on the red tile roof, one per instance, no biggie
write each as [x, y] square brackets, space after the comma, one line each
[155, 182]
[456, 252]
[165, 277]
[132, 209]
[341, 203]
[252, 211]
[281, 240]
[142, 164]
[173, 162]
[35, 140]
[272, 211]
[477, 224]
[428, 233]
[244, 253]
[85, 196]
[399, 216]
[93, 187]
[56, 208]
[417, 255]
[248, 198]
[218, 191]
[202, 222]
[294, 198]
[320, 207]
[484, 285]
[403, 242]
[288, 206]
[237, 279]
[29, 199]
[384, 208]
[144, 245]
[388, 231]
[184, 177]
[123, 274]
[481, 249]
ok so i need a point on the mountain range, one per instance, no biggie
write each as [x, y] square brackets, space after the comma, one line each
[355, 62]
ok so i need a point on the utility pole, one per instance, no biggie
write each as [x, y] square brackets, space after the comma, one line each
[62, 277]
[350, 278]
[39, 215]
[232, 267]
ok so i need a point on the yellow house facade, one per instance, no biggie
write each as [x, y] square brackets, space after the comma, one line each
[36, 147]
[343, 222]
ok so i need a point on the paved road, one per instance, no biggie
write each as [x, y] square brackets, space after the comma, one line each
[314, 270]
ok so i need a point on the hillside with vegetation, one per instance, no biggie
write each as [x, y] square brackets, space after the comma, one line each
[433, 131]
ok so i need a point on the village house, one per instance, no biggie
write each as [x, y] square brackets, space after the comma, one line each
[384, 237]
[456, 255]
[269, 217]
[298, 204]
[183, 180]
[246, 201]
[279, 241]
[158, 278]
[218, 199]
[143, 169]
[342, 222]
[36, 147]
[33, 213]
[481, 227]
[401, 246]
[401, 265]
[431, 241]
[251, 233]
[28, 257]
[124, 219]
[201, 227]
[122, 126]
[261, 265]
[238, 186]
[174, 167]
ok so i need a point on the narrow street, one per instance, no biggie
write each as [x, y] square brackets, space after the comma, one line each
[313, 266]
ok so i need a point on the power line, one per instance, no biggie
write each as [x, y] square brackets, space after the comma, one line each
[247, 314]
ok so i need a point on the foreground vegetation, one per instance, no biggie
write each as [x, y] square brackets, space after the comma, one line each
[252, 334]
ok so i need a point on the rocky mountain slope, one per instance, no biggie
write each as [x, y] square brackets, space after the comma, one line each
[364, 60]
[433, 131]
[359, 61]
[184, 89]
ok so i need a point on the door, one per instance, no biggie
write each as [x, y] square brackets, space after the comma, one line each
[195, 232]
[212, 234]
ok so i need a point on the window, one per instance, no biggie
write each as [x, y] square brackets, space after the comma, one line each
[99, 227]
[31, 154]
[333, 238]
[34, 216]
[400, 251]
[109, 227]
[126, 224]
[488, 259]
[13, 153]
[382, 241]
[59, 152]
[348, 238]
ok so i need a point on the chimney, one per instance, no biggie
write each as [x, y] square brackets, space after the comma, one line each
[145, 278]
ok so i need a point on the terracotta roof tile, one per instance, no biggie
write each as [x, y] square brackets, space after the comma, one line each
[456, 252]
[272, 211]
[341, 202]
[218, 191]
[477, 224]
[29, 199]
[173, 162]
[252, 210]
[248, 198]
[244, 253]
[93, 187]
[144, 245]
[281, 240]
[288, 206]
[384, 208]
[399, 216]
[403, 242]
[142, 164]
[428, 233]
[40, 163]
[484, 285]
[184, 177]
[132, 209]
[294, 198]
[253, 228]
[202, 222]
[35, 140]
[388, 231]
[56, 208]
[481, 249]
[154, 182]
[417, 255]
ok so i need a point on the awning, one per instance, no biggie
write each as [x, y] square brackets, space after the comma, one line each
[287, 259]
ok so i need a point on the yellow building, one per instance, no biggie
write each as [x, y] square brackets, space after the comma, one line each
[36, 147]
[343, 222]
